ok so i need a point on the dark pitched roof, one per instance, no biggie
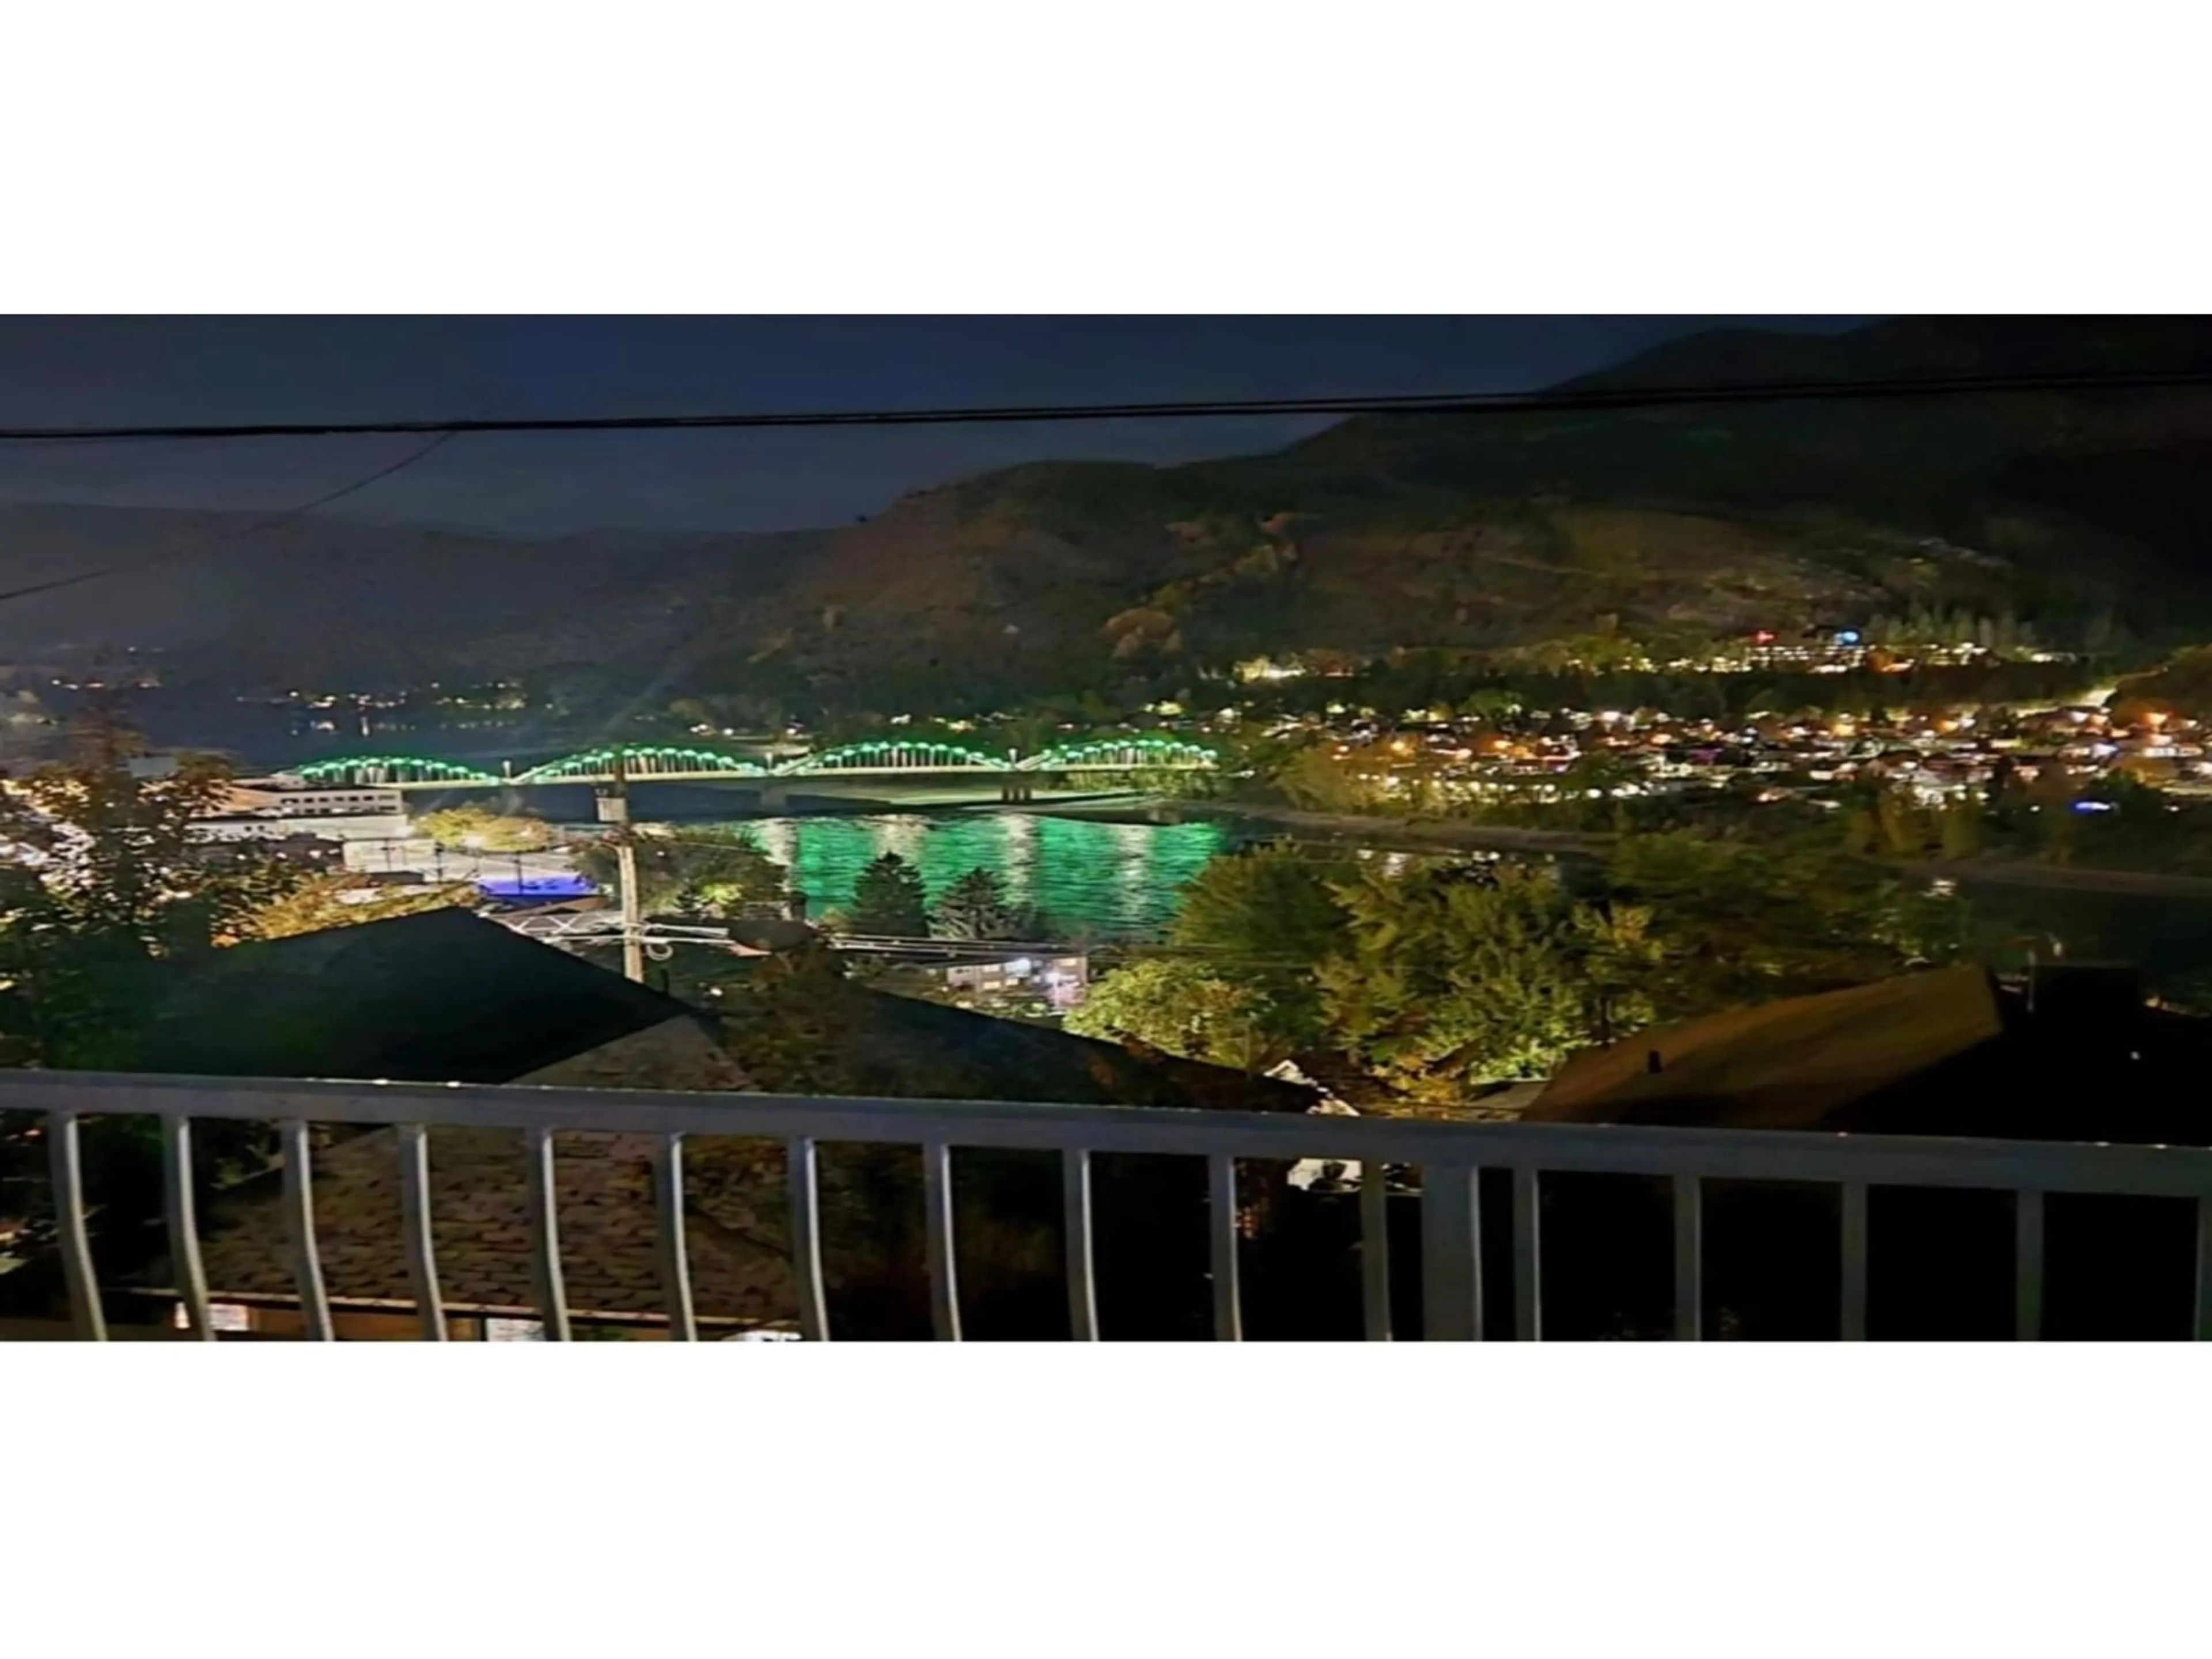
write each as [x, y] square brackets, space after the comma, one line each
[439, 997]
[1781, 1064]
[480, 1226]
[1947, 1052]
[821, 1034]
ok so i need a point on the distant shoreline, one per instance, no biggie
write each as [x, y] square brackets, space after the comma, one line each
[1416, 835]
[1444, 835]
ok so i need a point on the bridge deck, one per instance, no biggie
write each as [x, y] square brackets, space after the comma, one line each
[527, 780]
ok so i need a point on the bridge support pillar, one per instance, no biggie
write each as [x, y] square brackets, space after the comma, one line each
[1015, 789]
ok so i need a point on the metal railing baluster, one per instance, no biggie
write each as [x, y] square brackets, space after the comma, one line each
[414, 1222]
[2028, 1265]
[670, 1250]
[1528, 1266]
[1854, 1262]
[1689, 1259]
[944, 1267]
[1374, 1251]
[1448, 1153]
[1082, 1265]
[65, 1155]
[1221, 1221]
[2203, 1329]
[548, 1285]
[183, 1230]
[300, 1214]
[1451, 1254]
[802, 1176]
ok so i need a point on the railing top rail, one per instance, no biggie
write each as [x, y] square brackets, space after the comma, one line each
[1715, 1154]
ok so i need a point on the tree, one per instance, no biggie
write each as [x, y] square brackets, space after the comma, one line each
[2050, 798]
[889, 899]
[692, 872]
[108, 876]
[1265, 916]
[1456, 975]
[1963, 829]
[1905, 831]
[977, 907]
[1318, 780]
[1593, 785]
[105, 880]
[1495, 706]
[1742, 921]
[1267, 906]
[1181, 1007]
[478, 828]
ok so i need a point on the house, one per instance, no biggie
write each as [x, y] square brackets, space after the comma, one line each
[443, 996]
[446, 996]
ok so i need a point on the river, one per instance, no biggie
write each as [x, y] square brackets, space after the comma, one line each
[1089, 878]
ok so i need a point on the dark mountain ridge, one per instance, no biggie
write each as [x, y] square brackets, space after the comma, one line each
[1487, 529]
[1466, 531]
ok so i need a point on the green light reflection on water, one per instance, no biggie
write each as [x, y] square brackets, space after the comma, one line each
[1085, 876]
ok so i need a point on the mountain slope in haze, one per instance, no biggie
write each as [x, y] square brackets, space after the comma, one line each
[236, 600]
[1485, 529]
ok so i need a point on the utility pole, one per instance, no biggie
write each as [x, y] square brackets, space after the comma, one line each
[614, 809]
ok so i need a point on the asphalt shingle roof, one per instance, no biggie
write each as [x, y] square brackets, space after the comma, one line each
[480, 1226]
[439, 997]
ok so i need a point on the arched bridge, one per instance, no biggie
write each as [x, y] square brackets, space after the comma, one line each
[660, 763]
[392, 771]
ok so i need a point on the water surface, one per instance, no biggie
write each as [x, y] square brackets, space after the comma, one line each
[1087, 876]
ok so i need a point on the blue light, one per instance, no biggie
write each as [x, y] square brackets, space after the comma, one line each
[537, 887]
[2093, 806]
[1847, 636]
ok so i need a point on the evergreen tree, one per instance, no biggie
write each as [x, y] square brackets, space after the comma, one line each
[890, 899]
[977, 907]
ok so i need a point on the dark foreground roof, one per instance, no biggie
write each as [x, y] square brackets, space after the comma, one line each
[1949, 1053]
[439, 997]
[810, 1034]
[823, 1033]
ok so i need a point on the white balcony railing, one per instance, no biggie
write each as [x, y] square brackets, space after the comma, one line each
[1451, 1155]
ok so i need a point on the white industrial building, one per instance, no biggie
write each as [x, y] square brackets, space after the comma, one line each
[263, 809]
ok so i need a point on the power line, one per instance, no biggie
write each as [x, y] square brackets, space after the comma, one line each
[1481, 403]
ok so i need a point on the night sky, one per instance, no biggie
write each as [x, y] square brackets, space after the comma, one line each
[87, 371]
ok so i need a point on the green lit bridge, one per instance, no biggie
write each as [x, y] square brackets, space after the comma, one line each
[672, 764]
